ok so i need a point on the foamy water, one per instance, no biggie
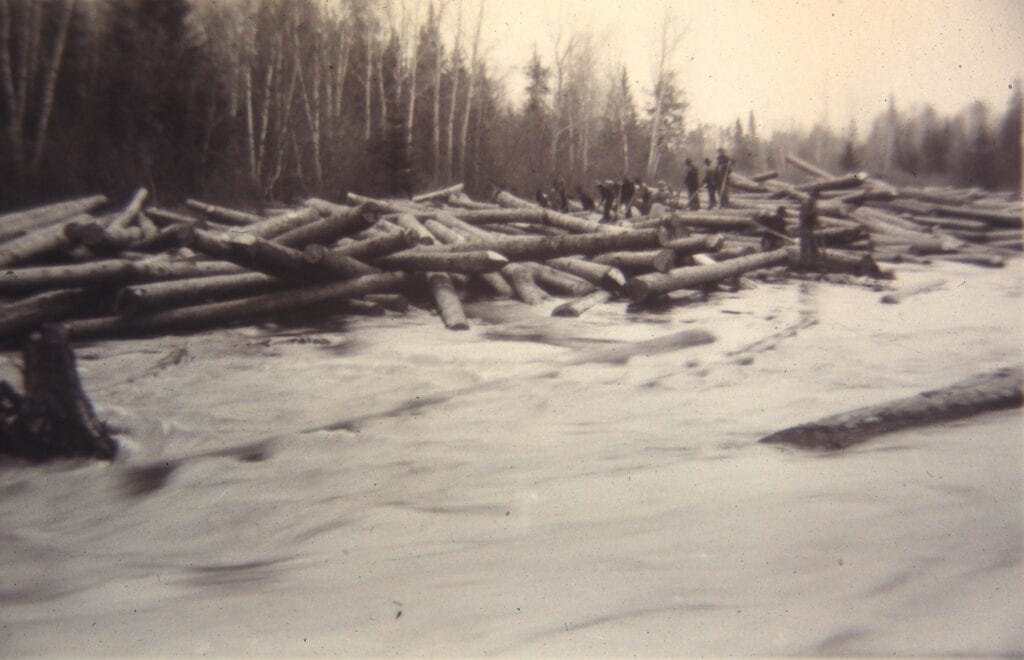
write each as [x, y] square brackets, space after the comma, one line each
[521, 506]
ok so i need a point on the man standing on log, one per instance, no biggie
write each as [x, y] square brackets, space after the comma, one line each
[693, 185]
[808, 222]
[560, 199]
[724, 168]
[711, 181]
[609, 192]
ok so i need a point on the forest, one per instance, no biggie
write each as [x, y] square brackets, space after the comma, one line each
[258, 101]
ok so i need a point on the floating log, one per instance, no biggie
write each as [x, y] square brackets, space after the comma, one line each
[645, 286]
[994, 390]
[233, 311]
[575, 308]
[338, 223]
[438, 194]
[640, 261]
[475, 261]
[448, 304]
[54, 417]
[225, 215]
[146, 298]
[18, 223]
[808, 168]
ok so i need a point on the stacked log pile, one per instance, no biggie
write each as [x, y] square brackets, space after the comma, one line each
[143, 269]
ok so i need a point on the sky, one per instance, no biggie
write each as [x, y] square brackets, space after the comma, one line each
[792, 62]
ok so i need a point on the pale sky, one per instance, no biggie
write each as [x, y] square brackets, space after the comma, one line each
[790, 61]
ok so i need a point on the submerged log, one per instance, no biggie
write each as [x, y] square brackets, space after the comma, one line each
[54, 418]
[995, 390]
[645, 286]
[448, 304]
[575, 308]
[225, 215]
[233, 311]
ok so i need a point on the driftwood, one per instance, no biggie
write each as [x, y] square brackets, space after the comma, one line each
[995, 390]
[53, 418]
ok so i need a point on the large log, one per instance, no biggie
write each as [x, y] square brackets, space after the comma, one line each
[448, 304]
[498, 285]
[476, 261]
[689, 245]
[110, 271]
[510, 201]
[251, 252]
[575, 308]
[409, 222]
[1002, 219]
[378, 246]
[839, 261]
[13, 225]
[597, 274]
[146, 298]
[284, 223]
[389, 206]
[702, 220]
[225, 215]
[335, 263]
[165, 217]
[521, 278]
[836, 183]
[461, 200]
[740, 182]
[994, 390]
[340, 222]
[54, 418]
[552, 218]
[644, 286]
[22, 316]
[557, 281]
[232, 311]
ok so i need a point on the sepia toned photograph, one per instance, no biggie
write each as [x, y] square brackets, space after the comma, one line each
[511, 328]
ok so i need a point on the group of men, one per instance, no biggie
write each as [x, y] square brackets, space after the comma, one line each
[715, 179]
[615, 197]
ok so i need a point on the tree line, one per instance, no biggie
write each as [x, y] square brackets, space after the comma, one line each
[259, 101]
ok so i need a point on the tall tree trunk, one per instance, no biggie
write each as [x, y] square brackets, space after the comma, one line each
[448, 170]
[469, 93]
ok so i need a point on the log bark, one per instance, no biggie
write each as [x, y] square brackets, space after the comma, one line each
[835, 183]
[575, 308]
[54, 418]
[165, 217]
[994, 390]
[409, 222]
[497, 284]
[225, 215]
[557, 281]
[251, 252]
[233, 311]
[639, 261]
[807, 167]
[27, 314]
[690, 245]
[378, 246]
[39, 242]
[146, 298]
[443, 193]
[13, 225]
[694, 276]
[130, 212]
[521, 279]
[600, 275]
[284, 223]
[539, 248]
[998, 218]
[448, 304]
[335, 263]
[838, 261]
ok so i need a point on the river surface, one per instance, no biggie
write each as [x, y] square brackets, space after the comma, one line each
[508, 491]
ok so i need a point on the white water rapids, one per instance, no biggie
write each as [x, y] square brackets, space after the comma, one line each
[607, 509]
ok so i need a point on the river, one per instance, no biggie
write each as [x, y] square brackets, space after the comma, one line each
[416, 491]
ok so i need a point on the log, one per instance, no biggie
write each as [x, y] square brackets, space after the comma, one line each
[335, 263]
[165, 217]
[764, 176]
[552, 218]
[394, 302]
[22, 316]
[808, 168]
[409, 222]
[625, 351]
[645, 286]
[995, 390]
[640, 261]
[18, 223]
[389, 206]
[476, 261]
[448, 304]
[558, 281]
[146, 298]
[597, 274]
[1001, 219]
[461, 200]
[148, 227]
[835, 183]
[839, 261]
[521, 279]
[225, 215]
[498, 285]
[284, 223]
[110, 271]
[575, 308]
[510, 201]
[233, 311]
[689, 245]
[740, 182]
[172, 236]
[251, 252]
[327, 230]
[533, 248]
[716, 221]
[378, 246]
[438, 194]
[128, 215]
[39, 242]
[54, 418]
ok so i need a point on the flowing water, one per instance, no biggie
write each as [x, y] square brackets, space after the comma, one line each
[505, 491]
